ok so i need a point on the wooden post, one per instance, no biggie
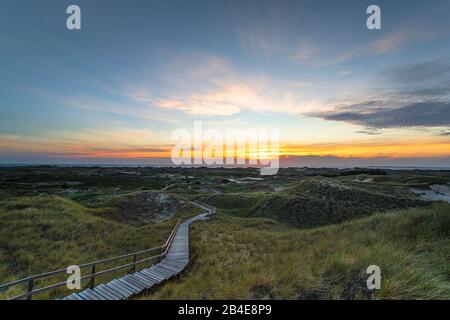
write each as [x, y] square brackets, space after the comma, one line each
[133, 270]
[30, 289]
[92, 281]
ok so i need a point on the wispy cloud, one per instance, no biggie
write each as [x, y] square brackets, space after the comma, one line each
[99, 142]
[118, 104]
[209, 85]
[265, 28]
[395, 41]
[419, 97]
[373, 148]
[305, 53]
[429, 72]
[427, 114]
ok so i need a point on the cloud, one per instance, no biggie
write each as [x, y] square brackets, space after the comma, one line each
[432, 71]
[232, 99]
[265, 28]
[395, 40]
[119, 136]
[194, 83]
[375, 147]
[305, 53]
[88, 142]
[344, 72]
[418, 96]
[207, 85]
[225, 101]
[427, 114]
[369, 131]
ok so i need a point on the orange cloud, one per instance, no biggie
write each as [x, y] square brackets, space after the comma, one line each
[124, 148]
[426, 148]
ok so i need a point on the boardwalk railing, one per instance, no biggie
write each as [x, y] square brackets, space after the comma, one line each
[136, 259]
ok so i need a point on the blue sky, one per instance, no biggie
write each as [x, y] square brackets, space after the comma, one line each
[138, 71]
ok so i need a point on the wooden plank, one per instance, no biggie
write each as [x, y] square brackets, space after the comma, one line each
[73, 296]
[133, 288]
[77, 296]
[168, 268]
[111, 287]
[178, 265]
[166, 272]
[138, 281]
[110, 294]
[178, 253]
[158, 268]
[182, 264]
[145, 281]
[174, 261]
[158, 271]
[148, 274]
[149, 282]
[82, 296]
[119, 282]
[86, 296]
[182, 257]
[134, 282]
[125, 290]
[95, 294]
[157, 278]
[157, 274]
[151, 278]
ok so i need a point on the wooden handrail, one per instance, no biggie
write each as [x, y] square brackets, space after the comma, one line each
[30, 279]
[170, 239]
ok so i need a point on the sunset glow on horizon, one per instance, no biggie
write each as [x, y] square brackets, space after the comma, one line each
[118, 88]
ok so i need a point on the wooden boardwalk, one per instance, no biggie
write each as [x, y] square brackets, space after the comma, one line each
[172, 264]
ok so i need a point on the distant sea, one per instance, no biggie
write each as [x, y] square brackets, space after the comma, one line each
[407, 168]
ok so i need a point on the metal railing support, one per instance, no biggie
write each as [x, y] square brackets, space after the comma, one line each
[133, 269]
[30, 289]
[92, 281]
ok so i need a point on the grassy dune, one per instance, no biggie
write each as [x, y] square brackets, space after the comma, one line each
[294, 236]
[45, 233]
[258, 258]
[317, 201]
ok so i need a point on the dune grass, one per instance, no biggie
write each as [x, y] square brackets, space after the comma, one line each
[317, 201]
[239, 258]
[45, 233]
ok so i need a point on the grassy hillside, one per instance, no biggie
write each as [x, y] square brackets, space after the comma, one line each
[317, 201]
[235, 202]
[294, 235]
[242, 258]
[45, 233]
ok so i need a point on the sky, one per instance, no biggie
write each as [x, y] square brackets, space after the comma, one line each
[116, 90]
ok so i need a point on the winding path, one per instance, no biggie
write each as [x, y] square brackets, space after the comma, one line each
[174, 262]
